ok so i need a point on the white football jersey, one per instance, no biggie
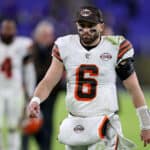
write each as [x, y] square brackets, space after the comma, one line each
[91, 75]
[11, 57]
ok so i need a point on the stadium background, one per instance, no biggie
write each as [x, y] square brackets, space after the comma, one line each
[127, 17]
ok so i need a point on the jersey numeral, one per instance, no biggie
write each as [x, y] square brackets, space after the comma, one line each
[6, 67]
[86, 86]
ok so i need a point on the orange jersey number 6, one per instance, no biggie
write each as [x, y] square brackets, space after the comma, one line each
[86, 86]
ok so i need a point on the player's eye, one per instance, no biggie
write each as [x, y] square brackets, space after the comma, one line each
[80, 29]
[92, 30]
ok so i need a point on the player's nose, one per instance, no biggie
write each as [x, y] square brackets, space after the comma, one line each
[86, 29]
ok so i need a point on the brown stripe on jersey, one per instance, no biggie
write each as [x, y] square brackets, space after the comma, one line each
[124, 51]
[102, 126]
[124, 47]
[55, 52]
[124, 44]
[117, 142]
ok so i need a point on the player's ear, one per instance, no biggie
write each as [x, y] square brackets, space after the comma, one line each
[101, 27]
[77, 23]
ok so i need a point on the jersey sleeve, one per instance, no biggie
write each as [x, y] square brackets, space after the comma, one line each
[60, 49]
[125, 51]
[56, 53]
[63, 48]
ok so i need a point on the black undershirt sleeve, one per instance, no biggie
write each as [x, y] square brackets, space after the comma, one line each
[125, 68]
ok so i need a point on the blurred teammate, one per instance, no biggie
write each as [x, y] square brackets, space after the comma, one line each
[44, 36]
[13, 50]
[92, 62]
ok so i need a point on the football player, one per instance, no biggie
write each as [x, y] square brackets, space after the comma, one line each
[14, 62]
[92, 62]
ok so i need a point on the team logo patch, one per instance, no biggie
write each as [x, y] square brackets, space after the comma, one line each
[85, 12]
[106, 56]
[78, 128]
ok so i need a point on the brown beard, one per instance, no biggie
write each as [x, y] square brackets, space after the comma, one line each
[7, 39]
[89, 40]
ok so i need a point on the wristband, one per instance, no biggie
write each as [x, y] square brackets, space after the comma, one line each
[35, 99]
[143, 114]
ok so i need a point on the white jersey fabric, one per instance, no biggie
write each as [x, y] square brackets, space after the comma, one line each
[11, 57]
[91, 75]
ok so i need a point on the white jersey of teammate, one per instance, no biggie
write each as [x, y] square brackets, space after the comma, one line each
[91, 75]
[11, 88]
[11, 57]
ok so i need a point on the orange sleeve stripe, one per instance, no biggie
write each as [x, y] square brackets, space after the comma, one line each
[56, 53]
[58, 57]
[100, 128]
[121, 49]
[124, 44]
[124, 50]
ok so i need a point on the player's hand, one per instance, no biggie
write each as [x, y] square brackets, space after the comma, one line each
[145, 137]
[33, 110]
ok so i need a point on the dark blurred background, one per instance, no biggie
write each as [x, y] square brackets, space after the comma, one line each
[126, 17]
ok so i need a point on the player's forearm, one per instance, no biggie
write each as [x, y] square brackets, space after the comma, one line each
[138, 98]
[132, 85]
[42, 90]
[45, 87]
[50, 80]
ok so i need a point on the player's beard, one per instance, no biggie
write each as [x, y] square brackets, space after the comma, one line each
[89, 38]
[7, 39]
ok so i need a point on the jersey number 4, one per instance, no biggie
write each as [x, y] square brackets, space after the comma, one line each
[86, 86]
[6, 67]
